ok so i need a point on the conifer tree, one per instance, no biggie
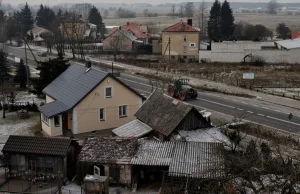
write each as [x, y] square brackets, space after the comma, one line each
[4, 68]
[227, 21]
[21, 75]
[96, 18]
[214, 22]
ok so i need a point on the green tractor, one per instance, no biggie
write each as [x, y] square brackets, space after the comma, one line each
[181, 90]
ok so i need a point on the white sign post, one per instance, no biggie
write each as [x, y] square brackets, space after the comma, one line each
[248, 75]
[17, 60]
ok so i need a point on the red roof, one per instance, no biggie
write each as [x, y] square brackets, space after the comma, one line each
[295, 35]
[138, 31]
[181, 27]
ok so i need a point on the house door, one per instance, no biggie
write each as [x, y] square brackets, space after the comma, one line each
[31, 163]
[65, 121]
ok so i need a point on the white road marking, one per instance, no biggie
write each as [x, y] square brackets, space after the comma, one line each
[255, 105]
[261, 115]
[240, 109]
[244, 102]
[250, 112]
[283, 121]
[216, 103]
[265, 108]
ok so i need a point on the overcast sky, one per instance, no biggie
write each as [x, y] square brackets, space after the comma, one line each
[52, 2]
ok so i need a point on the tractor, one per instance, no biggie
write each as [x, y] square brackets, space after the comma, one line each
[181, 90]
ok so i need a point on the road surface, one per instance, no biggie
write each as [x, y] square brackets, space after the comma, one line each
[253, 110]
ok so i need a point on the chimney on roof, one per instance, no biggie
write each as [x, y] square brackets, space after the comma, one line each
[190, 22]
[127, 23]
[88, 66]
[120, 28]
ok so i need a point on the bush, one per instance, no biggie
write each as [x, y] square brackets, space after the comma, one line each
[258, 61]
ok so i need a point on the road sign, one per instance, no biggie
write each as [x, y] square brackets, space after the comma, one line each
[17, 60]
[248, 75]
[290, 116]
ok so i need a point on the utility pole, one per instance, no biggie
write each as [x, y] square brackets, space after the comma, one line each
[27, 67]
[59, 183]
[112, 68]
[169, 49]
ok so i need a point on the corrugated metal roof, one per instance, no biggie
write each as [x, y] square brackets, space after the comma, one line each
[153, 153]
[134, 128]
[213, 135]
[197, 160]
[289, 44]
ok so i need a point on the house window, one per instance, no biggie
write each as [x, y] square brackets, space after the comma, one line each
[102, 114]
[192, 44]
[122, 111]
[57, 121]
[108, 92]
[184, 38]
[184, 49]
[45, 119]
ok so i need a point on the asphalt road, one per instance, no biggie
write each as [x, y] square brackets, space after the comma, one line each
[270, 115]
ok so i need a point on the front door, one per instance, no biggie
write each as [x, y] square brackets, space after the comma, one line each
[65, 121]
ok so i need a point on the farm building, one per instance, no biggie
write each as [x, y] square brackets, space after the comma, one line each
[111, 154]
[162, 115]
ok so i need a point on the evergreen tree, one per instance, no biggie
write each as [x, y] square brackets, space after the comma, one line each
[214, 22]
[25, 19]
[95, 18]
[44, 17]
[49, 71]
[21, 76]
[283, 31]
[4, 68]
[227, 20]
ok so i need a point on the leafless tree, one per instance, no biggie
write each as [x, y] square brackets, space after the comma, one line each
[105, 13]
[7, 91]
[200, 18]
[272, 7]
[117, 44]
[173, 10]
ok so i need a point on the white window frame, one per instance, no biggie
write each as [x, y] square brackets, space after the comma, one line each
[193, 43]
[111, 92]
[58, 120]
[185, 49]
[45, 119]
[104, 114]
[123, 116]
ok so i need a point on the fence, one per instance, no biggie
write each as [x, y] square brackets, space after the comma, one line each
[293, 93]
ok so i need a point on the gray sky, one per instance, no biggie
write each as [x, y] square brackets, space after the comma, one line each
[52, 2]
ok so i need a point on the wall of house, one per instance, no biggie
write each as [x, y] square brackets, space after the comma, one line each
[125, 174]
[110, 43]
[192, 121]
[270, 56]
[156, 47]
[49, 99]
[86, 113]
[178, 43]
[50, 129]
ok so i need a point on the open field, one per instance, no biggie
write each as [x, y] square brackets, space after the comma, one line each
[162, 22]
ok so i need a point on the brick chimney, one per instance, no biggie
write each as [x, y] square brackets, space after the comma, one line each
[190, 22]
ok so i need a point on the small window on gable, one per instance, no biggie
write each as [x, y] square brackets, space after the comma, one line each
[184, 38]
[184, 49]
[45, 119]
[108, 92]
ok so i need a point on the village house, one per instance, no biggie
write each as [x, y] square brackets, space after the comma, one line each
[181, 40]
[83, 99]
[37, 33]
[139, 31]
[141, 163]
[112, 155]
[39, 158]
[295, 35]
[120, 41]
[161, 116]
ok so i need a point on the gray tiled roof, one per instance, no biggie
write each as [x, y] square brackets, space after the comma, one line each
[37, 145]
[70, 88]
[134, 128]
